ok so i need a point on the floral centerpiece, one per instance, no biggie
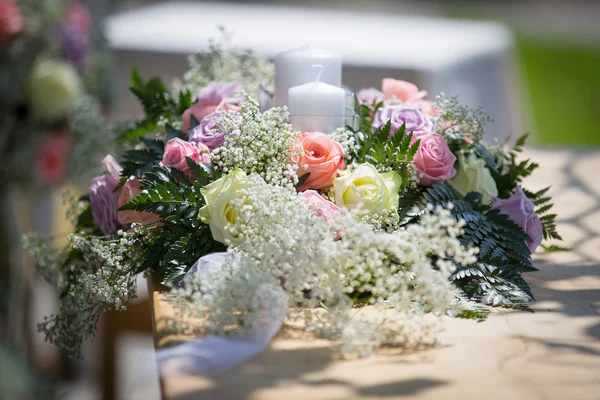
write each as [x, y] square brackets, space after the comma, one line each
[253, 223]
[55, 86]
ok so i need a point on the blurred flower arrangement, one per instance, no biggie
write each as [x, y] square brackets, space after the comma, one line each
[55, 86]
[19, 380]
[410, 213]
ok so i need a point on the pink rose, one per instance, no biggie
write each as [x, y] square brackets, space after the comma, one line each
[214, 97]
[434, 160]
[176, 151]
[319, 205]
[323, 157]
[521, 211]
[407, 93]
[130, 191]
[53, 158]
[11, 20]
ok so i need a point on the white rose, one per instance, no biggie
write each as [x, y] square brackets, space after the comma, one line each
[365, 186]
[52, 88]
[473, 176]
[219, 212]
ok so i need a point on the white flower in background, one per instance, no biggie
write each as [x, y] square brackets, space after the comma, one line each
[473, 176]
[52, 89]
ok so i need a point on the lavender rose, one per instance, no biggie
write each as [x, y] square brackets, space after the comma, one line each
[211, 98]
[103, 202]
[103, 198]
[413, 116]
[520, 210]
[208, 132]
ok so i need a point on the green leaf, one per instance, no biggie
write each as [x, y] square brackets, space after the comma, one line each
[139, 130]
[173, 133]
[496, 277]
[552, 248]
[302, 179]
[85, 220]
[203, 173]
[387, 150]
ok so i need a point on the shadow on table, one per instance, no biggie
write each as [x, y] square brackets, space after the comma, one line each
[297, 370]
[556, 346]
[558, 286]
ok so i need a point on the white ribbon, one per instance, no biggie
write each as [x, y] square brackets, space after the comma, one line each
[212, 355]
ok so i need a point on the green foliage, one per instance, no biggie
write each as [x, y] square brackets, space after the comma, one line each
[511, 172]
[495, 286]
[503, 254]
[553, 248]
[85, 219]
[131, 132]
[365, 114]
[543, 207]
[157, 99]
[183, 237]
[138, 162]
[387, 150]
[302, 179]
[477, 313]
[159, 104]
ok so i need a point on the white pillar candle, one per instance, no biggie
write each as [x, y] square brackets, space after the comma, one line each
[294, 67]
[316, 106]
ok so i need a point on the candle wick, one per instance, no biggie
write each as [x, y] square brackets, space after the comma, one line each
[321, 68]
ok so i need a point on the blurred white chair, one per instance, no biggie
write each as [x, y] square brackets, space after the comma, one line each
[465, 58]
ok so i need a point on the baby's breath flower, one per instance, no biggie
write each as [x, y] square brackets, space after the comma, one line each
[261, 143]
[283, 244]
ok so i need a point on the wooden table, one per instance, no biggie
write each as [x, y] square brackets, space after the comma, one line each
[553, 353]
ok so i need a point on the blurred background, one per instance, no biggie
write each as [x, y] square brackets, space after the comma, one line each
[534, 65]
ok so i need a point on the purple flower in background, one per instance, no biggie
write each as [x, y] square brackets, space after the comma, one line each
[103, 202]
[216, 92]
[75, 44]
[369, 95]
[208, 132]
[413, 116]
[520, 209]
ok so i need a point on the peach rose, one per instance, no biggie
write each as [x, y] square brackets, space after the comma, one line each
[322, 157]
[130, 191]
[407, 93]
[11, 20]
